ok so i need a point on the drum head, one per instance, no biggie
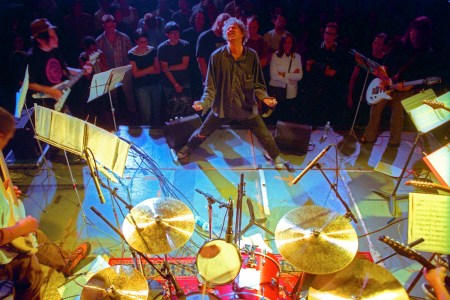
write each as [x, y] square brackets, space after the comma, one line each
[218, 262]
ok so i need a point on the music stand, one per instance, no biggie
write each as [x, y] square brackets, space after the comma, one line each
[425, 119]
[104, 82]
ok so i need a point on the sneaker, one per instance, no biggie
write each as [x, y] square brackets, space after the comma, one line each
[278, 163]
[428, 291]
[76, 257]
[184, 152]
[442, 260]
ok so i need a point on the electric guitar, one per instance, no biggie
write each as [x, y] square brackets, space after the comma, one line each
[427, 185]
[24, 245]
[405, 251]
[436, 104]
[66, 85]
[377, 91]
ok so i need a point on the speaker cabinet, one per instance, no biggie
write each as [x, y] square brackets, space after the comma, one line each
[23, 145]
[177, 132]
[293, 138]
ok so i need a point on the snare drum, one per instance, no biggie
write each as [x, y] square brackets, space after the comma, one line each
[200, 296]
[259, 277]
[218, 262]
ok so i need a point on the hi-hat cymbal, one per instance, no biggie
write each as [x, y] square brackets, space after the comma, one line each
[158, 225]
[117, 282]
[316, 240]
[362, 280]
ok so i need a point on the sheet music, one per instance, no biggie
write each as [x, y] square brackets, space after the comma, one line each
[429, 219]
[98, 85]
[21, 95]
[439, 162]
[425, 117]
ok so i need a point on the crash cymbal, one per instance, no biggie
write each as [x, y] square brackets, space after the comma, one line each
[158, 225]
[362, 280]
[316, 240]
[117, 282]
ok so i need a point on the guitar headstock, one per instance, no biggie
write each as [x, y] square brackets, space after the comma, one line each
[93, 57]
[432, 80]
[399, 248]
[434, 103]
[421, 184]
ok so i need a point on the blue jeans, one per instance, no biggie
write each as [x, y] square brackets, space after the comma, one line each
[149, 101]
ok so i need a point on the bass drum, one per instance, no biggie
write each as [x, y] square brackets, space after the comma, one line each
[218, 262]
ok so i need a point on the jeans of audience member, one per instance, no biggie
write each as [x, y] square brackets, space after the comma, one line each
[127, 87]
[149, 101]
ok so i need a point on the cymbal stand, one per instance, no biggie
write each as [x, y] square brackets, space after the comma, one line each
[349, 215]
[166, 275]
[352, 129]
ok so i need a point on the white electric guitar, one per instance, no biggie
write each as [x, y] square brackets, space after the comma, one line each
[66, 86]
[378, 91]
[23, 244]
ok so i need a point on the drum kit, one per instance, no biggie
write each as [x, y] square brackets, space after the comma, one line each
[313, 239]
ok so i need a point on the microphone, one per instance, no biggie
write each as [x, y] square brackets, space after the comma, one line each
[208, 196]
[311, 164]
[229, 233]
[94, 176]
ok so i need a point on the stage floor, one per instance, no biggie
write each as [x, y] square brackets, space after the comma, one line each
[216, 168]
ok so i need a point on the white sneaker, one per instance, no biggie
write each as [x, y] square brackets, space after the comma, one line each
[278, 163]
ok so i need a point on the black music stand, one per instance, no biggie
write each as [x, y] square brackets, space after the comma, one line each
[425, 119]
[105, 82]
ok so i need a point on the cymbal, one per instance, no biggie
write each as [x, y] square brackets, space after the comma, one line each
[361, 279]
[316, 240]
[117, 282]
[158, 225]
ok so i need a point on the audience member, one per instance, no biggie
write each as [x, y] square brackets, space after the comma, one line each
[154, 27]
[116, 45]
[146, 79]
[163, 11]
[198, 20]
[173, 55]
[285, 72]
[208, 42]
[103, 8]
[327, 76]
[411, 59]
[209, 8]
[130, 16]
[183, 15]
[273, 36]
[256, 41]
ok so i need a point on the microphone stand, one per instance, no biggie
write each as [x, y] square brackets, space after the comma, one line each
[167, 276]
[348, 213]
[237, 228]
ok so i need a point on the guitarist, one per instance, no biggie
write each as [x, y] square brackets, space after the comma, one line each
[46, 65]
[24, 269]
[435, 278]
[411, 58]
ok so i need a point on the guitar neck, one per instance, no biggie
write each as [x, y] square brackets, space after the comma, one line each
[74, 79]
[408, 83]
[6, 175]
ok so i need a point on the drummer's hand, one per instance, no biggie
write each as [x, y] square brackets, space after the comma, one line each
[270, 102]
[197, 106]
[209, 251]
